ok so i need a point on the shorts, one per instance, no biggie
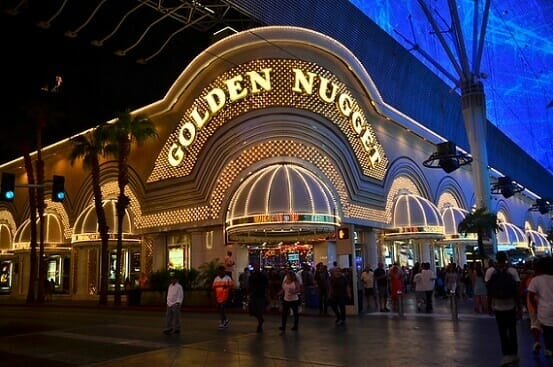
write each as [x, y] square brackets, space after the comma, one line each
[383, 291]
[534, 322]
[369, 292]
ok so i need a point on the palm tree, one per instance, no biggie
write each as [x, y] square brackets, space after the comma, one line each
[88, 148]
[123, 132]
[481, 222]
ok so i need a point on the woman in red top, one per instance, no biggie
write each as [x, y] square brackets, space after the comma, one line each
[396, 286]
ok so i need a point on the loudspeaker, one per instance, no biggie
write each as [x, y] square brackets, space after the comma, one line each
[447, 148]
[505, 184]
[449, 164]
[543, 206]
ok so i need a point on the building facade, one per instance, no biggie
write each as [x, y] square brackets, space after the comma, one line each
[269, 143]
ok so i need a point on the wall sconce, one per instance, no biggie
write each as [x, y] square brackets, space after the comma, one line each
[447, 158]
[506, 187]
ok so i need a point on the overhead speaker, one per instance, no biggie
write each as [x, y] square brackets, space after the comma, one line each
[543, 206]
[449, 164]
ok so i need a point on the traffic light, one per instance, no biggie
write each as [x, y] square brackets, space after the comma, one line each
[7, 191]
[58, 190]
[343, 233]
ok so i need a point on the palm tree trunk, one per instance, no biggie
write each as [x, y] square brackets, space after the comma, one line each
[32, 218]
[102, 229]
[122, 203]
[40, 209]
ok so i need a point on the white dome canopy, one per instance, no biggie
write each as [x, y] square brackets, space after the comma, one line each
[415, 217]
[281, 201]
[510, 236]
[538, 241]
[86, 225]
[53, 232]
[451, 217]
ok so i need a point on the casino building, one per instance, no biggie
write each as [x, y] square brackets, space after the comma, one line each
[270, 143]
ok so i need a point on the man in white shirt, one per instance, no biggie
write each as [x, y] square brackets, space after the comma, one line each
[367, 278]
[428, 280]
[174, 300]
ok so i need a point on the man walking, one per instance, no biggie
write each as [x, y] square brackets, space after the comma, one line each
[258, 287]
[505, 302]
[222, 284]
[174, 301]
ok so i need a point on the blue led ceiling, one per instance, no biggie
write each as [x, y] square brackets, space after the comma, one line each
[517, 60]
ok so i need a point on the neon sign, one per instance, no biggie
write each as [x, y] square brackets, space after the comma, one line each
[254, 83]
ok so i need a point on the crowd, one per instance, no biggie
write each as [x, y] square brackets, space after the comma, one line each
[497, 289]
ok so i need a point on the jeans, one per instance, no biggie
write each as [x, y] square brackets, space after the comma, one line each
[222, 307]
[173, 317]
[339, 307]
[507, 327]
[286, 307]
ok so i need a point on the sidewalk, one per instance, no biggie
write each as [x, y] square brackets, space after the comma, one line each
[371, 339]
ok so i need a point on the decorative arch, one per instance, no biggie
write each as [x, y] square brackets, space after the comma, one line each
[451, 192]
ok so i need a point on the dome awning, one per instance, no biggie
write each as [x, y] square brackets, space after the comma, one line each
[451, 217]
[414, 217]
[86, 225]
[510, 236]
[53, 232]
[538, 241]
[281, 202]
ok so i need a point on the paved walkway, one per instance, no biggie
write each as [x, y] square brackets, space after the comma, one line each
[372, 339]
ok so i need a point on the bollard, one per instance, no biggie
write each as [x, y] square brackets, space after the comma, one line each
[400, 303]
[453, 306]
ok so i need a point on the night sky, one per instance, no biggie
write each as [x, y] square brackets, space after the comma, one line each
[97, 84]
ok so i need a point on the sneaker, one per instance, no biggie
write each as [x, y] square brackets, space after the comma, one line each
[548, 353]
[226, 323]
[167, 331]
[221, 326]
[536, 348]
[177, 331]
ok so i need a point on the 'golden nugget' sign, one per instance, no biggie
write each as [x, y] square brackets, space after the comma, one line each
[259, 82]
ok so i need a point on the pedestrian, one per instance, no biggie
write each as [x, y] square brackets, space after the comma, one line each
[381, 279]
[222, 285]
[290, 291]
[367, 278]
[174, 301]
[428, 280]
[540, 295]
[504, 301]
[258, 288]
[321, 282]
[338, 293]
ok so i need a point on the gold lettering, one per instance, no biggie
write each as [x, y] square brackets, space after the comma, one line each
[187, 134]
[344, 104]
[257, 80]
[301, 84]
[200, 120]
[323, 90]
[176, 155]
[216, 100]
[357, 122]
[235, 89]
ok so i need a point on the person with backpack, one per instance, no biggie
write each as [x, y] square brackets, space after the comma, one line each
[505, 302]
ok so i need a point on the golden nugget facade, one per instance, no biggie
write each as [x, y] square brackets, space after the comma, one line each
[269, 142]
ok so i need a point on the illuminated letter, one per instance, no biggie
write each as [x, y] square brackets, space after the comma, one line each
[176, 155]
[300, 79]
[323, 90]
[357, 122]
[216, 100]
[235, 89]
[187, 134]
[199, 120]
[258, 81]
[344, 104]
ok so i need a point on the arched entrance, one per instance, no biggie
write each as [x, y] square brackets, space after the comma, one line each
[283, 213]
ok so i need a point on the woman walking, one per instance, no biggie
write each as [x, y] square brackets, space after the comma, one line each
[290, 291]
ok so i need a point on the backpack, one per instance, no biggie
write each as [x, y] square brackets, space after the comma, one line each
[502, 285]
